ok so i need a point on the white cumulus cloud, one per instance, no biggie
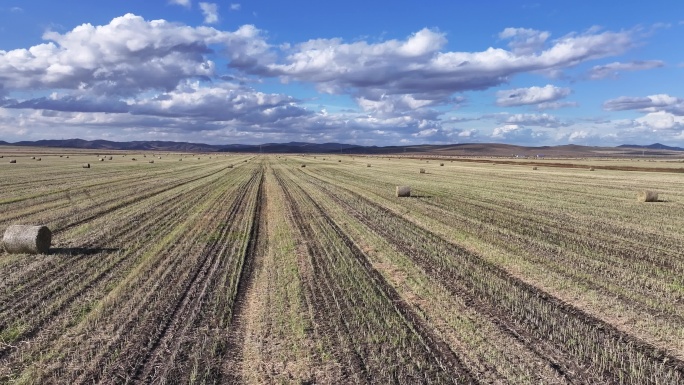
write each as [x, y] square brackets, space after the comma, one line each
[651, 103]
[210, 12]
[525, 41]
[419, 64]
[661, 120]
[127, 55]
[531, 95]
[185, 3]
[614, 69]
[542, 120]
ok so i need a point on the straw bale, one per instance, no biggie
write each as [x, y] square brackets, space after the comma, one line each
[403, 191]
[24, 239]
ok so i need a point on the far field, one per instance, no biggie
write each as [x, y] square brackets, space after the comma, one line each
[257, 269]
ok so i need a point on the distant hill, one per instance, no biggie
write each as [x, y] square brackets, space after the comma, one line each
[292, 147]
[110, 145]
[654, 146]
[462, 149]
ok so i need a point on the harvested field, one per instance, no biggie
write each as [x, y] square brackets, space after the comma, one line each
[243, 269]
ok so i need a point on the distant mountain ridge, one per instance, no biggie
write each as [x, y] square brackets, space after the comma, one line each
[154, 145]
[654, 146]
[461, 149]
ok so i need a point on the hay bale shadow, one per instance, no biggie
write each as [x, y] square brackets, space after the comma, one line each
[71, 251]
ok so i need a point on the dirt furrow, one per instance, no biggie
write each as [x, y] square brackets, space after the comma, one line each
[142, 295]
[164, 329]
[59, 318]
[330, 305]
[193, 318]
[544, 321]
[431, 345]
[31, 286]
[258, 243]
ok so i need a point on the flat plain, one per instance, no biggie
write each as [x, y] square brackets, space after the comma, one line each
[214, 268]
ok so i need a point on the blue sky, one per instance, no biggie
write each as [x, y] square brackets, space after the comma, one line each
[364, 72]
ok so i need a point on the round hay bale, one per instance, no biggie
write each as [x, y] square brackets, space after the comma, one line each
[67, 157]
[591, 169]
[86, 165]
[39, 159]
[441, 164]
[151, 161]
[23, 239]
[110, 158]
[303, 165]
[647, 196]
[368, 165]
[230, 166]
[101, 159]
[133, 159]
[534, 168]
[13, 161]
[159, 157]
[2, 156]
[181, 159]
[422, 171]
[403, 191]
[33, 157]
[59, 156]
[339, 160]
